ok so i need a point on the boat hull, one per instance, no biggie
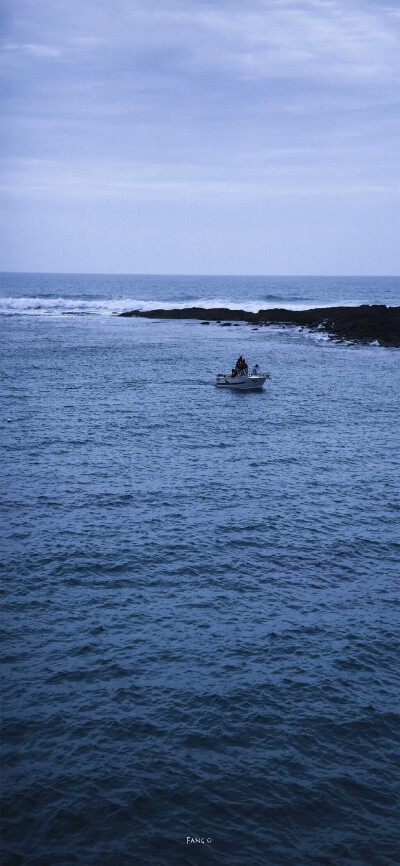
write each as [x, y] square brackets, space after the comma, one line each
[241, 383]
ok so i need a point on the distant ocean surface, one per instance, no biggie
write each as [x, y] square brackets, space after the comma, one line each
[106, 294]
[200, 609]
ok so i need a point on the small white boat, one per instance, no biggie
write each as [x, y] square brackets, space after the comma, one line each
[243, 381]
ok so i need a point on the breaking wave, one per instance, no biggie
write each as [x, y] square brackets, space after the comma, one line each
[45, 306]
[63, 306]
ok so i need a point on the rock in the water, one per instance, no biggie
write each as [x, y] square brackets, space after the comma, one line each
[364, 324]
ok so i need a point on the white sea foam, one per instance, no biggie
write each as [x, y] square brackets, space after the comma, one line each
[61, 306]
[109, 307]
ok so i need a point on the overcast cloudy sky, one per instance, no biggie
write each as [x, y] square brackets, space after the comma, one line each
[201, 136]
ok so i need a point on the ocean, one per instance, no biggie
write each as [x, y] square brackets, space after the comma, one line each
[200, 618]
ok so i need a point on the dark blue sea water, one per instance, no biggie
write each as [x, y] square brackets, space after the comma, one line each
[199, 587]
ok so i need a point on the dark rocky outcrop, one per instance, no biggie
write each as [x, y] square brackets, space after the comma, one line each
[365, 324]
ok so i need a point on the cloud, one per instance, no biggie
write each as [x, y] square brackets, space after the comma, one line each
[32, 49]
[214, 101]
[258, 39]
[280, 175]
[287, 39]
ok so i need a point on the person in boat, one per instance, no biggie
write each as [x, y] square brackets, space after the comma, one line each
[234, 372]
[255, 370]
[241, 365]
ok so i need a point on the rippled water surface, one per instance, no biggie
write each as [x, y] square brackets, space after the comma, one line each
[199, 600]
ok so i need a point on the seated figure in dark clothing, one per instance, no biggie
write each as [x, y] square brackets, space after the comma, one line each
[239, 363]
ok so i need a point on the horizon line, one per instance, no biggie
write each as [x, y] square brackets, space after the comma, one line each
[170, 274]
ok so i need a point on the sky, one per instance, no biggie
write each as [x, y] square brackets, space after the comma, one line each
[200, 136]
